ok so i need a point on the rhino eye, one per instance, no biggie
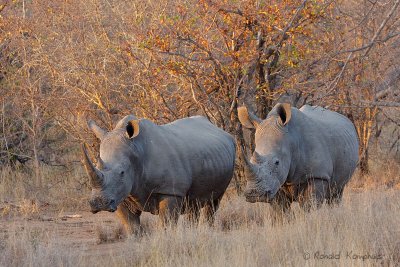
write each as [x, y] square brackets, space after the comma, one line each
[276, 162]
[122, 173]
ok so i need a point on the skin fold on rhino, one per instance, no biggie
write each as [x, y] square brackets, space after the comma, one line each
[168, 169]
[306, 155]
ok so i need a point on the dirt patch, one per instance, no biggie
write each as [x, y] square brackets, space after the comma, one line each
[87, 232]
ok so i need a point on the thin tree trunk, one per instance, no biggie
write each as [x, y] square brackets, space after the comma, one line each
[363, 163]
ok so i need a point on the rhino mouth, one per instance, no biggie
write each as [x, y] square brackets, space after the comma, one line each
[261, 198]
[94, 211]
[253, 196]
[96, 207]
[112, 210]
[251, 199]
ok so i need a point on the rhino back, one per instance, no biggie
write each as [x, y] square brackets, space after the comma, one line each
[328, 144]
[189, 157]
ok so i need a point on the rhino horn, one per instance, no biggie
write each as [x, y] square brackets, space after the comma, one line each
[96, 177]
[99, 132]
[250, 169]
[100, 164]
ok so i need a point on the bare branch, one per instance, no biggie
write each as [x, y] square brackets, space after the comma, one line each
[388, 16]
[380, 103]
[294, 18]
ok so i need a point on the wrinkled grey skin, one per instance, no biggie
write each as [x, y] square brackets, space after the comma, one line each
[305, 155]
[169, 169]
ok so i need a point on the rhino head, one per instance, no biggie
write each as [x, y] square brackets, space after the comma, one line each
[112, 179]
[269, 165]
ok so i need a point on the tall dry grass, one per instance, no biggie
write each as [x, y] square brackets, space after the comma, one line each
[384, 173]
[365, 225]
[61, 189]
[363, 231]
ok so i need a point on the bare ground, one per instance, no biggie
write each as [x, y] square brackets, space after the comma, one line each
[79, 234]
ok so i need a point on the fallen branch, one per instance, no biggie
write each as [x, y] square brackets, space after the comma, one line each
[70, 216]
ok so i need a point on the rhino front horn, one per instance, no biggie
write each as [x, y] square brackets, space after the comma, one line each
[250, 169]
[96, 177]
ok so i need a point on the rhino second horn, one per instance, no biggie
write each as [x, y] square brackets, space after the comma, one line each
[96, 177]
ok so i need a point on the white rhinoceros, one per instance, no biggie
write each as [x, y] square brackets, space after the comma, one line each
[168, 169]
[305, 155]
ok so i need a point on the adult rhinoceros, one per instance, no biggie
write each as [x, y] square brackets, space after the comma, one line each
[168, 169]
[305, 155]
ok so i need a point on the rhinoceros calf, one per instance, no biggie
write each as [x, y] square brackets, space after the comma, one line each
[305, 155]
[168, 169]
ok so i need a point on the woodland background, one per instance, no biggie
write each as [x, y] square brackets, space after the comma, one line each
[62, 62]
[65, 61]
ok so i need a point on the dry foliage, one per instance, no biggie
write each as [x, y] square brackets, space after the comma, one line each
[64, 61]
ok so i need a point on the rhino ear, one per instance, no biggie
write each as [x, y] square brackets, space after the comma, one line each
[132, 129]
[248, 119]
[284, 111]
[100, 133]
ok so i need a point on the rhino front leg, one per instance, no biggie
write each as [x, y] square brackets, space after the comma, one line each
[129, 219]
[169, 210]
[314, 194]
[280, 207]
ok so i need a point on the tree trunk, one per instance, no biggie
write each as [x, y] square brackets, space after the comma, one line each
[364, 127]
[363, 163]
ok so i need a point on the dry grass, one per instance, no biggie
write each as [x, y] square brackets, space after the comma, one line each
[107, 234]
[383, 174]
[366, 224]
[32, 247]
[60, 190]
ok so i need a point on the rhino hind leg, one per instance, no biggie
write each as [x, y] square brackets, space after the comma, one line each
[335, 196]
[130, 218]
[193, 212]
[210, 208]
[314, 194]
[170, 208]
